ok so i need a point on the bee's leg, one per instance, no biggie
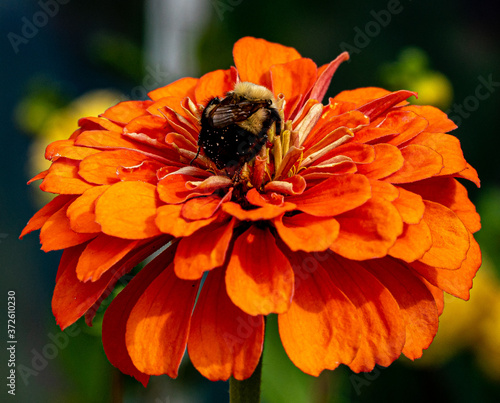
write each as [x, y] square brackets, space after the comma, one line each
[196, 156]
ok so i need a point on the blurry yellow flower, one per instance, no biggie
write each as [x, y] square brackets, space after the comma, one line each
[472, 325]
[411, 70]
[64, 121]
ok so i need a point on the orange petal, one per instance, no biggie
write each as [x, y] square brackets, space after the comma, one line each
[452, 194]
[37, 177]
[368, 231]
[42, 215]
[124, 112]
[438, 121]
[170, 221]
[98, 123]
[436, 292]
[407, 124]
[223, 341]
[469, 173]
[450, 238]
[202, 251]
[214, 84]
[63, 178]
[359, 153]
[416, 303]
[447, 146]
[183, 87]
[385, 191]
[306, 232]
[360, 96]
[421, 162]
[116, 315]
[334, 196]
[290, 186]
[106, 140]
[388, 160]
[72, 298]
[383, 327]
[456, 282]
[267, 212]
[325, 74]
[67, 149]
[322, 328]
[128, 210]
[128, 262]
[380, 105]
[100, 255]
[370, 133]
[413, 243]
[254, 57]
[410, 206]
[56, 232]
[293, 79]
[199, 208]
[146, 171]
[102, 168]
[158, 325]
[259, 278]
[178, 187]
[81, 212]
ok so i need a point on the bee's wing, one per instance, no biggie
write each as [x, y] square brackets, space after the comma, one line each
[226, 114]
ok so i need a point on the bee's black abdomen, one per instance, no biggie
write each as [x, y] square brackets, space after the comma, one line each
[230, 146]
[234, 129]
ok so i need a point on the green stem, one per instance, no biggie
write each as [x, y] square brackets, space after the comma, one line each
[248, 390]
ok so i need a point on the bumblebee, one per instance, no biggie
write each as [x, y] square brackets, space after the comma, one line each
[234, 129]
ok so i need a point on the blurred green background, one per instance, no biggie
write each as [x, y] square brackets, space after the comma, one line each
[61, 60]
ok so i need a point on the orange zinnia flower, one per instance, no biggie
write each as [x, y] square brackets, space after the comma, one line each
[349, 225]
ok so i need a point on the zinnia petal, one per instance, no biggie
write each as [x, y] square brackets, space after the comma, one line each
[306, 232]
[254, 57]
[128, 210]
[202, 251]
[259, 278]
[223, 341]
[334, 196]
[322, 328]
[158, 325]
